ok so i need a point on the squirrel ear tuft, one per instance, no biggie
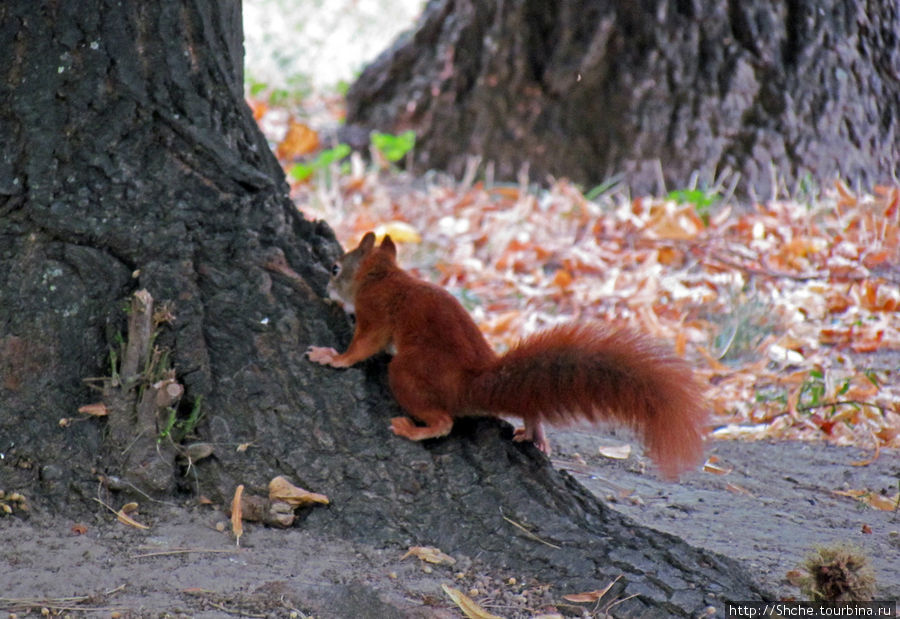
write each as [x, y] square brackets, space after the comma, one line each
[388, 245]
[367, 242]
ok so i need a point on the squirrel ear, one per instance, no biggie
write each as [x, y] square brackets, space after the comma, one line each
[388, 245]
[367, 242]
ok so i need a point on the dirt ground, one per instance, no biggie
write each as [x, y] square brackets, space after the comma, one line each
[775, 504]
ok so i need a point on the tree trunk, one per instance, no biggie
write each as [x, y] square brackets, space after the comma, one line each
[132, 163]
[784, 93]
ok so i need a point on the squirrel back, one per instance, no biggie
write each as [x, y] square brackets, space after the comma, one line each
[444, 368]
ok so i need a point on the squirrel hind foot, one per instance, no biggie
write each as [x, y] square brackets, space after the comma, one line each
[438, 424]
[533, 432]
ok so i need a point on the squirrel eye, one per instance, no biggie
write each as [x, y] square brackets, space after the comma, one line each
[335, 268]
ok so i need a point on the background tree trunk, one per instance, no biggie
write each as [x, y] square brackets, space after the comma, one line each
[782, 92]
[131, 162]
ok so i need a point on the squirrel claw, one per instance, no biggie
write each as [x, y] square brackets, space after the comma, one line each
[533, 434]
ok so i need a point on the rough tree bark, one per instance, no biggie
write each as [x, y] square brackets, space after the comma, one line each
[131, 162]
[781, 92]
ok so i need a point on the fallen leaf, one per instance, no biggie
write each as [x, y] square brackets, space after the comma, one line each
[299, 140]
[590, 596]
[563, 278]
[237, 525]
[97, 410]
[616, 452]
[467, 605]
[429, 554]
[280, 489]
[123, 516]
[884, 503]
[400, 231]
[709, 467]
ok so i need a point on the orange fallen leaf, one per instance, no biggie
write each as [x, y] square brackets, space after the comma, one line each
[847, 198]
[563, 278]
[97, 409]
[237, 525]
[429, 554]
[280, 489]
[709, 467]
[259, 108]
[884, 503]
[468, 606]
[123, 517]
[590, 596]
[873, 499]
[299, 140]
[509, 192]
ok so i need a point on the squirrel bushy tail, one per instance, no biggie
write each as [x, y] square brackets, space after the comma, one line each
[579, 372]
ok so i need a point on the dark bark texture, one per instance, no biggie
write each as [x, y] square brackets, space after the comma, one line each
[131, 162]
[782, 92]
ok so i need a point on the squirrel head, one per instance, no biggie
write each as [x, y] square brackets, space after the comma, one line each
[344, 283]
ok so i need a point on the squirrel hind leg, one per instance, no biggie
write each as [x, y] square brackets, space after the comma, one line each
[437, 423]
[533, 431]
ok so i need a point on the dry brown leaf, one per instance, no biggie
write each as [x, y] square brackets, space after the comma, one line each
[737, 489]
[873, 499]
[709, 467]
[97, 409]
[123, 517]
[299, 140]
[563, 279]
[280, 489]
[847, 197]
[884, 503]
[590, 596]
[616, 452]
[468, 606]
[237, 525]
[429, 554]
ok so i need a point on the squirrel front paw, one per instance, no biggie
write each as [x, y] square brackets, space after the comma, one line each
[321, 354]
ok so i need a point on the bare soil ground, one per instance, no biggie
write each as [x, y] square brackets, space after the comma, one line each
[775, 505]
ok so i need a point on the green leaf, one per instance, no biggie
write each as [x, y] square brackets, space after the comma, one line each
[257, 87]
[301, 171]
[327, 157]
[394, 147]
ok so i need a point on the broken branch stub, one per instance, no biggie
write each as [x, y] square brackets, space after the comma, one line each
[140, 330]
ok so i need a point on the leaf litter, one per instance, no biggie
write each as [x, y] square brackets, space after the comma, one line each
[788, 309]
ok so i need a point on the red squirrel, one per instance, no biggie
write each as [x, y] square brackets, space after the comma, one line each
[443, 367]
